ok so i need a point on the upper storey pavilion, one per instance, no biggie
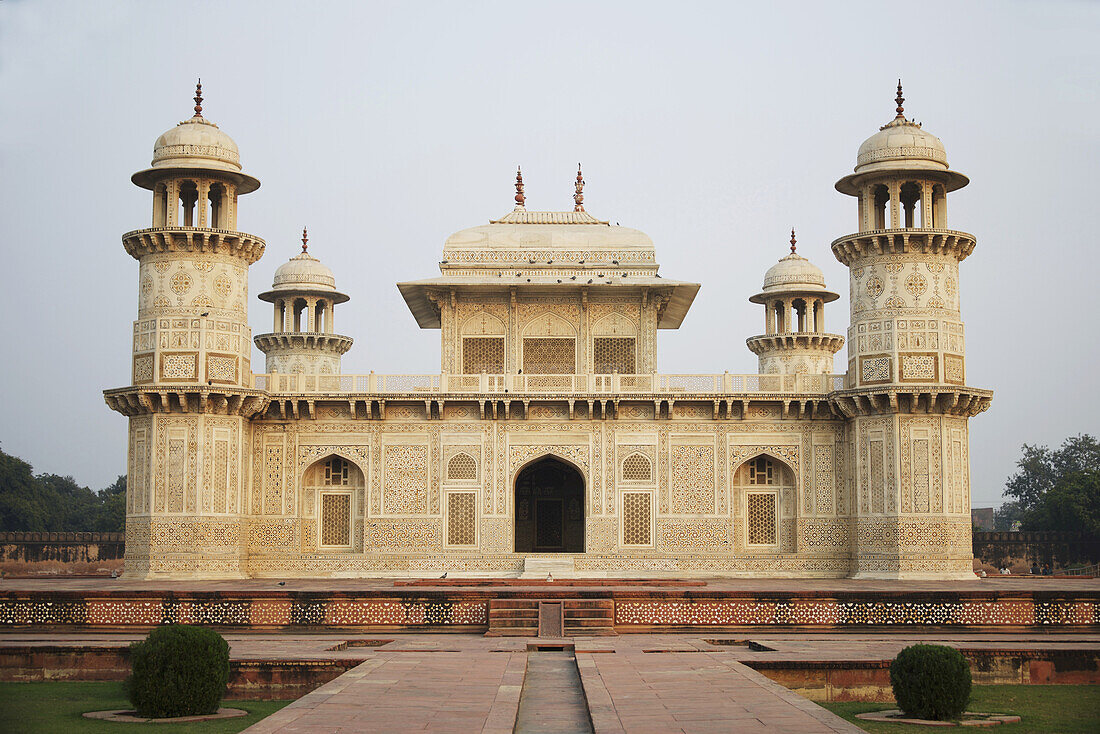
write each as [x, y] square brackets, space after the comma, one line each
[549, 293]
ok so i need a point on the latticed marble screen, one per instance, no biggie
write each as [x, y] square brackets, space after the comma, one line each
[461, 518]
[336, 519]
[462, 467]
[549, 355]
[762, 519]
[637, 512]
[483, 354]
[636, 468]
[613, 354]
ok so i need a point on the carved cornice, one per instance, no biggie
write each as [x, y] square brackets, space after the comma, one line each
[143, 242]
[770, 343]
[198, 399]
[304, 340]
[920, 399]
[852, 247]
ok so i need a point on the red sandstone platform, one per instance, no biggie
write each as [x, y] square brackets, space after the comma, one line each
[588, 607]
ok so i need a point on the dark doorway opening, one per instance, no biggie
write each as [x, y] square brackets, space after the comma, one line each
[549, 508]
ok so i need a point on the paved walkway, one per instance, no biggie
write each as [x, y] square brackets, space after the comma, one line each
[628, 691]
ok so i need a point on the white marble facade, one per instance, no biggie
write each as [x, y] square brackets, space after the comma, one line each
[548, 431]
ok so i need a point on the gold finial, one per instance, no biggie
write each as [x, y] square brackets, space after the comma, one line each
[578, 197]
[520, 198]
[793, 241]
[899, 99]
[305, 240]
[198, 99]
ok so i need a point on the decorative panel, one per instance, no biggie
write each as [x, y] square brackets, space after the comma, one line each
[637, 468]
[335, 519]
[549, 356]
[692, 480]
[405, 487]
[637, 518]
[462, 467]
[762, 518]
[613, 355]
[461, 518]
[483, 354]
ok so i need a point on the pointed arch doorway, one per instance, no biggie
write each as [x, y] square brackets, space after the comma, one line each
[549, 511]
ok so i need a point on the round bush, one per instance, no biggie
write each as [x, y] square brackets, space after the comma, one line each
[178, 670]
[931, 682]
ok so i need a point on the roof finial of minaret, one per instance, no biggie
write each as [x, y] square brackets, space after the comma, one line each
[305, 240]
[520, 198]
[793, 241]
[578, 197]
[899, 99]
[198, 99]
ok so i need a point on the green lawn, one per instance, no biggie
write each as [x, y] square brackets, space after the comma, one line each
[1044, 710]
[56, 707]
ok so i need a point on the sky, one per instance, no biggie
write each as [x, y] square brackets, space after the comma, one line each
[714, 127]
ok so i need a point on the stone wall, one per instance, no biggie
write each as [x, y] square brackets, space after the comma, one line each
[60, 547]
[1024, 547]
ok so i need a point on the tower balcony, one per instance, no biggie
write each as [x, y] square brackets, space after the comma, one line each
[852, 247]
[285, 341]
[141, 242]
[797, 341]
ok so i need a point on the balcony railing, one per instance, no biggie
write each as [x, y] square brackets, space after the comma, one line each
[615, 384]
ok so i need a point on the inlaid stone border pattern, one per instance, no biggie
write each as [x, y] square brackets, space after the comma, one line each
[857, 613]
[308, 610]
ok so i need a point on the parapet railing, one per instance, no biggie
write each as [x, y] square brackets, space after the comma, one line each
[586, 384]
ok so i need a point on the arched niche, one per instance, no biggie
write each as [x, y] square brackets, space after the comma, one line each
[549, 506]
[765, 491]
[333, 503]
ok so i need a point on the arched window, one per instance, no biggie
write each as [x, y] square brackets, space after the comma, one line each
[216, 217]
[336, 472]
[462, 467]
[189, 196]
[637, 468]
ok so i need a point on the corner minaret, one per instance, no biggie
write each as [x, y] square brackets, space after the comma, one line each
[303, 339]
[191, 394]
[794, 339]
[907, 399]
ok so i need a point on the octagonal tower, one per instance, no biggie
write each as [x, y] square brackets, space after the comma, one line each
[907, 398]
[191, 394]
[303, 338]
[794, 339]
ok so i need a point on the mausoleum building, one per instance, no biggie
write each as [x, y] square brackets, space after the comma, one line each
[548, 440]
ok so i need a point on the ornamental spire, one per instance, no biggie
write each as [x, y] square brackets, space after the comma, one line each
[578, 197]
[198, 99]
[305, 240]
[520, 198]
[793, 241]
[900, 99]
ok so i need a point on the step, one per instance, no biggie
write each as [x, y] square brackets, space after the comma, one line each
[538, 568]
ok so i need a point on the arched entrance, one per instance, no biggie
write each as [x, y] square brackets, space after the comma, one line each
[549, 508]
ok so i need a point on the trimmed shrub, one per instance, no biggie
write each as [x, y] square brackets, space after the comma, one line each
[931, 682]
[178, 670]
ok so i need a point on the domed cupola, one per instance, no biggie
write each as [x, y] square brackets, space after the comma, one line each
[303, 340]
[794, 298]
[196, 146]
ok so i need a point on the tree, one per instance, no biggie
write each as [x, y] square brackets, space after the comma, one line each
[1059, 490]
[52, 503]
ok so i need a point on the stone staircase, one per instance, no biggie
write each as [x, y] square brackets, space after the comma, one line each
[582, 617]
[589, 617]
[513, 618]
